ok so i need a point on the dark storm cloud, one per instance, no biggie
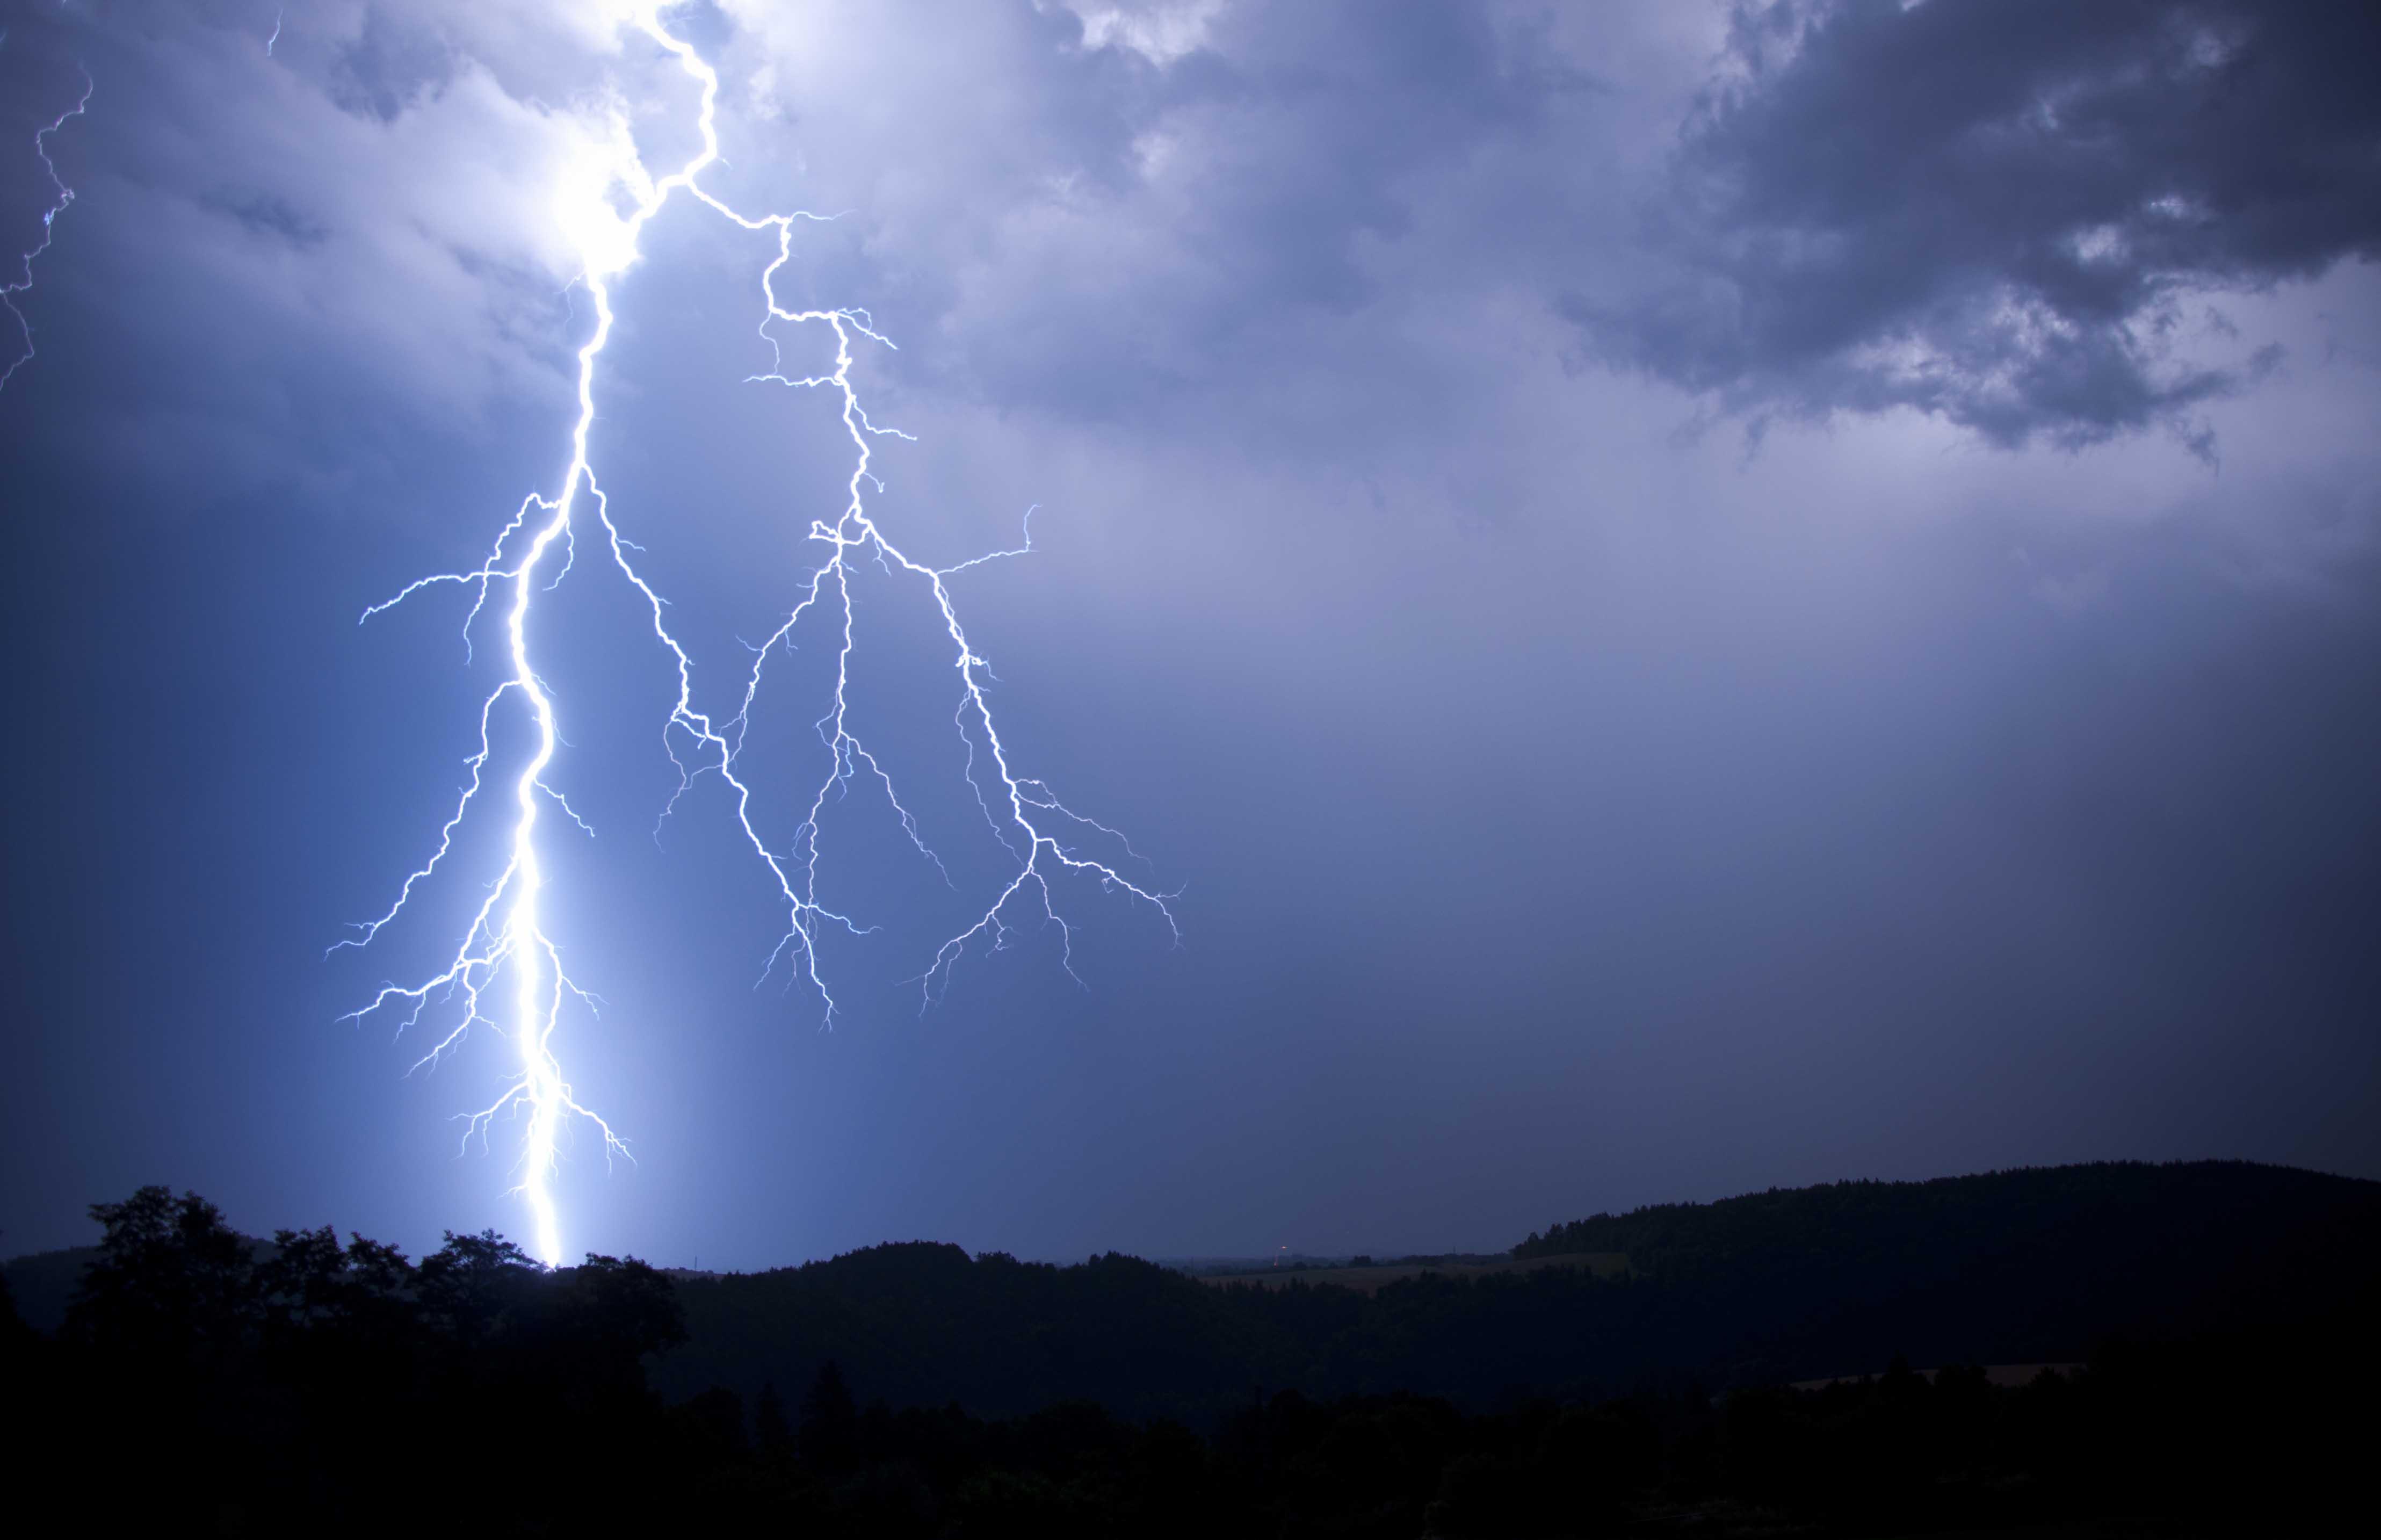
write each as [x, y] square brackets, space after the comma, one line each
[2003, 214]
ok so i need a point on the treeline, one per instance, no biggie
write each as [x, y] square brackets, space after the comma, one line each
[2227, 1435]
[2024, 1266]
[204, 1382]
[1915, 1231]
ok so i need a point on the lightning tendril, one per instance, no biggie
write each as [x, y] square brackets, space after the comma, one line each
[10, 291]
[507, 972]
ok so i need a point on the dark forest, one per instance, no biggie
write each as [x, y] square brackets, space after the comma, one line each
[2207, 1330]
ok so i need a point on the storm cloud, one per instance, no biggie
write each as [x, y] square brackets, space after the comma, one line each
[2018, 216]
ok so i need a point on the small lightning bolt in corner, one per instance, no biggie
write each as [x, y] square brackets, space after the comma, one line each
[507, 972]
[15, 288]
[278, 16]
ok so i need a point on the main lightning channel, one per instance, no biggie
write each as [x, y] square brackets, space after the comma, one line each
[15, 287]
[506, 962]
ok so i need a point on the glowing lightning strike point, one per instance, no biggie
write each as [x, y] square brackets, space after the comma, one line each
[505, 944]
[9, 292]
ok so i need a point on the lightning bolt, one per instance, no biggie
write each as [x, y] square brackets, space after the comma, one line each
[65, 195]
[506, 972]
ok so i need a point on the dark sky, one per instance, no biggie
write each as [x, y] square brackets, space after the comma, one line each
[1691, 597]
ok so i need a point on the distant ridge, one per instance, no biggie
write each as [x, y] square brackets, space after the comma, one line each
[1870, 1221]
[39, 1284]
[2042, 1264]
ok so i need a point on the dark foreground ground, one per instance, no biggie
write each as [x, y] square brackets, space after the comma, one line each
[2223, 1317]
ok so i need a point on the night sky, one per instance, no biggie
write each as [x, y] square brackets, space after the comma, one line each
[1690, 597]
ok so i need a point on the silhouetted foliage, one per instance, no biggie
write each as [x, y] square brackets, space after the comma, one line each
[175, 1285]
[2054, 1263]
[829, 1433]
[304, 1383]
[18, 1342]
[769, 1424]
[191, 1351]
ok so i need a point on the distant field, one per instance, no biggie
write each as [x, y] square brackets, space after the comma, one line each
[1368, 1280]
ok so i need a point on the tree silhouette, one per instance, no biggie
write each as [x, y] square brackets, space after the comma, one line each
[474, 1285]
[828, 1435]
[769, 1420]
[174, 1286]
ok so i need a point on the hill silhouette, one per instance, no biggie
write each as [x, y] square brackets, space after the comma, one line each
[2024, 1266]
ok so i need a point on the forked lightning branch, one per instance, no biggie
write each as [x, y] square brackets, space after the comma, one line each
[507, 972]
